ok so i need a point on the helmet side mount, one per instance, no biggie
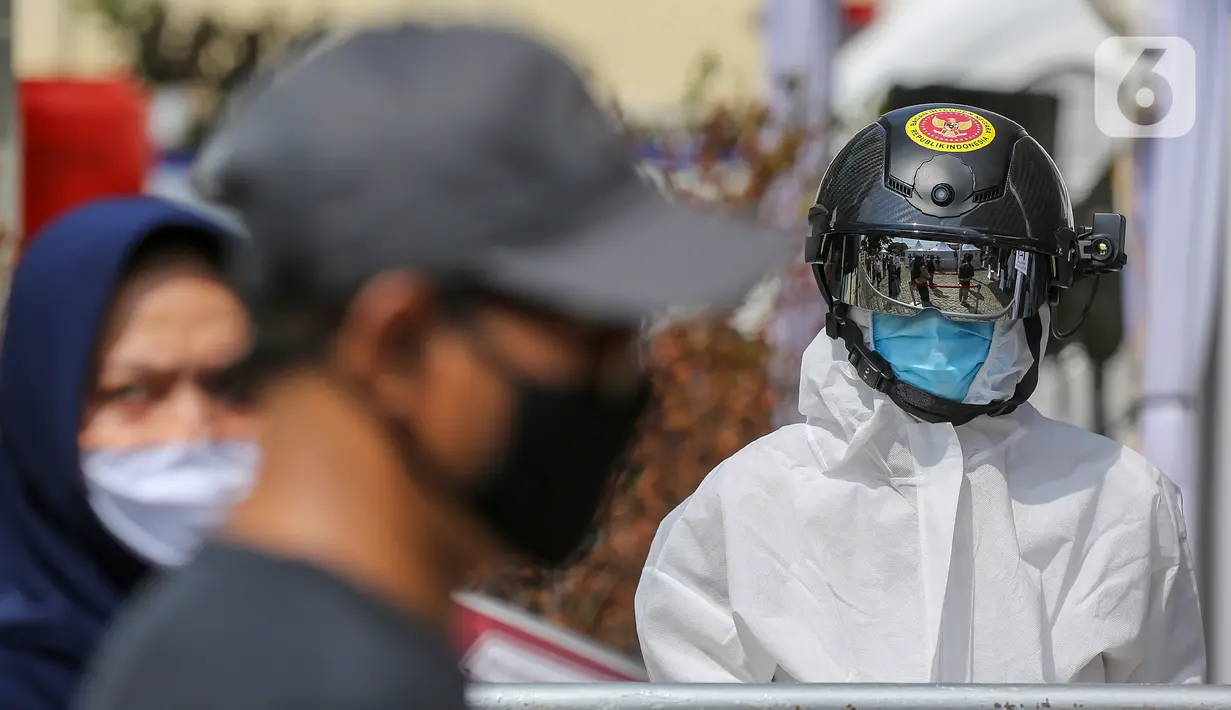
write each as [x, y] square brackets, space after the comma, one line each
[1092, 251]
[1100, 248]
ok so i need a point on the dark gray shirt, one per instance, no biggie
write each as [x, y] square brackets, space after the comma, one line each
[241, 630]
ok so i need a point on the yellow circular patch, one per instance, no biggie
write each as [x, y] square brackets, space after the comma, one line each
[950, 130]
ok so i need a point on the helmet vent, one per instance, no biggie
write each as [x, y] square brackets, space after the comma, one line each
[988, 194]
[898, 186]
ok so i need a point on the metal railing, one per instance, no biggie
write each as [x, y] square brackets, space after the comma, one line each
[644, 696]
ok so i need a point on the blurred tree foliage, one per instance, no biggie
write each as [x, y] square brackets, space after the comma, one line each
[877, 242]
[713, 399]
[209, 55]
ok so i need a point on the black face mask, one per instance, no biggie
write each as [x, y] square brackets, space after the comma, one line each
[544, 493]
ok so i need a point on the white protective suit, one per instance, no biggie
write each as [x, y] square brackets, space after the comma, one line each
[866, 546]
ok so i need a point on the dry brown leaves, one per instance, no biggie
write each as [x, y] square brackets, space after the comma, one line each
[713, 399]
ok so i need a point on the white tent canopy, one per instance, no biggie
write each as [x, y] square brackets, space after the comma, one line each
[1184, 184]
[926, 246]
[1043, 45]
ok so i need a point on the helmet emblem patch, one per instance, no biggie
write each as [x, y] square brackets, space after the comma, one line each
[950, 130]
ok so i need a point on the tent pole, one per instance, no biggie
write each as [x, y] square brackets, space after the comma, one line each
[10, 153]
[1216, 560]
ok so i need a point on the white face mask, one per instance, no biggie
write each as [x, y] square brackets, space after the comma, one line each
[163, 501]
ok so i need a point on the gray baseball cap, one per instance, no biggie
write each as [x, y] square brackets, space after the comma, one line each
[464, 152]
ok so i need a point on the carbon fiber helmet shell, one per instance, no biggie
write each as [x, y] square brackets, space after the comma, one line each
[916, 172]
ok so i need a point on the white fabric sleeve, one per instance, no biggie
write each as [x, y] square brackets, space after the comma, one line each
[688, 630]
[1174, 650]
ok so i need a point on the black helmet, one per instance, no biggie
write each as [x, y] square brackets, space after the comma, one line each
[945, 174]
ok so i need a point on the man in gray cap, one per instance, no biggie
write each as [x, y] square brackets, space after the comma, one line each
[452, 253]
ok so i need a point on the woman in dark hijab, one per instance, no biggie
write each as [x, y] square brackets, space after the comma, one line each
[120, 447]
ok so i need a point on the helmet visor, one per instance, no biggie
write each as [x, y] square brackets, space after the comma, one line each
[903, 276]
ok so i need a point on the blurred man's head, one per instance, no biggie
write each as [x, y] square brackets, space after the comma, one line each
[448, 230]
[510, 406]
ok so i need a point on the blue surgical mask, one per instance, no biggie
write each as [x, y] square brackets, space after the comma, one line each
[163, 501]
[931, 352]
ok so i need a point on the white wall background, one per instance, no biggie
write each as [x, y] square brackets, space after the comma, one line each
[643, 50]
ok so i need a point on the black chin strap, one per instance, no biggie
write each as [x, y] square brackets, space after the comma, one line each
[875, 371]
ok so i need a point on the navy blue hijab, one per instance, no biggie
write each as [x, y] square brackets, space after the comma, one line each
[61, 575]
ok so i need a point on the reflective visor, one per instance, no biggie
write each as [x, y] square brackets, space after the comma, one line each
[904, 275]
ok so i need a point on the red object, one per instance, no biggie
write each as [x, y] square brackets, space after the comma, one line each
[858, 13]
[504, 644]
[82, 139]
